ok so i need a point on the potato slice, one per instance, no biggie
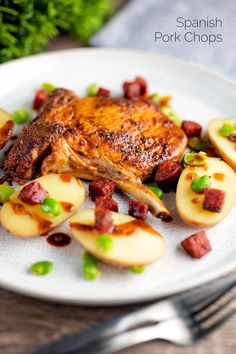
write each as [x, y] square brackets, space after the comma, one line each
[225, 147]
[142, 246]
[6, 128]
[26, 220]
[189, 203]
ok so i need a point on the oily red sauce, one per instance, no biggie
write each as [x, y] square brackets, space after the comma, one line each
[219, 176]
[195, 200]
[44, 234]
[59, 239]
[20, 209]
[66, 178]
[68, 207]
[191, 176]
[122, 229]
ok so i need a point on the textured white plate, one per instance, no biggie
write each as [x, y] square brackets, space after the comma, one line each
[197, 95]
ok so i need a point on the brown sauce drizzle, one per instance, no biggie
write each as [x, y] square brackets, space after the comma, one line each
[191, 176]
[20, 209]
[195, 200]
[66, 178]
[165, 217]
[68, 207]
[59, 239]
[219, 176]
[44, 234]
[122, 229]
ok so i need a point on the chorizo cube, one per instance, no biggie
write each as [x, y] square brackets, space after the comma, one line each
[214, 200]
[136, 88]
[107, 203]
[138, 210]
[143, 85]
[102, 92]
[39, 99]
[103, 187]
[210, 151]
[197, 245]
[191, 128]
[103, 220]
[131, 90]
[33, 194]
[167, 174]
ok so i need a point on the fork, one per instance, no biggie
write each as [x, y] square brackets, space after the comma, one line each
[182, 319]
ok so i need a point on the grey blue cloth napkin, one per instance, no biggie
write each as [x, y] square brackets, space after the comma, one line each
[136, 23]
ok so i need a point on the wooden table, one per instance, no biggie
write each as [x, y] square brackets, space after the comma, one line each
[29, 323]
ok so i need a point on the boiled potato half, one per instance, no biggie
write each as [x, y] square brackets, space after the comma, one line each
[142, 246]
[26, 220]
[6, 127]
[225, 147]
[189, 203]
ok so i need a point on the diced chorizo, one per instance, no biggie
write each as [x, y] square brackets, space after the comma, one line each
[103, 187]
[102, 92]
[103, 220]
[107, 203]
[210, 151]
[214, 200]
[138, 210]
[191, 129]
[167, 174]
[232, 138]
[33, 193]
[197, 245]
[136, 88]
[39, 98]
[143, 85]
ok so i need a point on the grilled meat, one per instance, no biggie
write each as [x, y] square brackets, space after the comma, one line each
[94, 137]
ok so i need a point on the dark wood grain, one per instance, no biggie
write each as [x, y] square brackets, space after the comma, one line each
[29, 323]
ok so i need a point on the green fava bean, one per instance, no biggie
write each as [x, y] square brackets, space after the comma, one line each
[41, 268]
[201, 183]
[195, 159]
[5, 192]
[92, 90]
[51, 206]
[227, 129]
[158, 191]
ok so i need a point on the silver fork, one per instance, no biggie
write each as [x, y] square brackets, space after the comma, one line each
[182, 319]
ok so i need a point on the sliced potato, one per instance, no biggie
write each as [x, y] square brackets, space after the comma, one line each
[6, 128]
[189, 203]
[225, 147]
[142, 246]
[26, 220]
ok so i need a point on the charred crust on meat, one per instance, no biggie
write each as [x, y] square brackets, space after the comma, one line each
[131, 136]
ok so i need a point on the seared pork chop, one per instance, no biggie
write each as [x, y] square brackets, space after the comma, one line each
[94, 137]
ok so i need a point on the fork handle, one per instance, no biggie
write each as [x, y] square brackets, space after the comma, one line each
[124, 340]
[110, 328]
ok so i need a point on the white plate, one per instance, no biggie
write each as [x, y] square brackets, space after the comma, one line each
[197, 95]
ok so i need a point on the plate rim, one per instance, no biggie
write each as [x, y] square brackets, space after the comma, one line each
[199, 279]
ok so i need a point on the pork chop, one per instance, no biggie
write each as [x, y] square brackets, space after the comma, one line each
[94, 137]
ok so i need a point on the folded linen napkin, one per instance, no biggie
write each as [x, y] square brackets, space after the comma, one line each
[136, 23]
